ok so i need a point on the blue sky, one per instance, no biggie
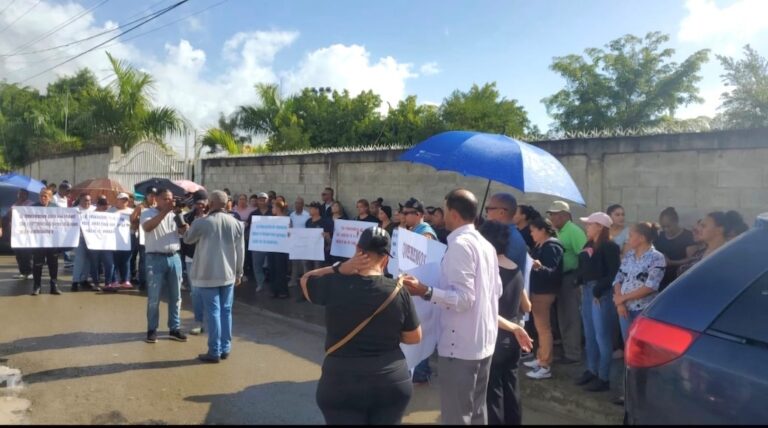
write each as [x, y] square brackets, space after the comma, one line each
[427, 48]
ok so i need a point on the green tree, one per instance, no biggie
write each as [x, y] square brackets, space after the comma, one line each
[483, 109]
[410, 123]
[122, 114]
[631, 84]
[746, 105]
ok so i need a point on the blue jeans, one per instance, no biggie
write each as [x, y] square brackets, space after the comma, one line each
[99, 258]
[122, 265]
[82, 263]
[258, 258]
[599, 320]
[625, 323]
[197, 301]
[422, 372]
[163, 272]
[218, 312]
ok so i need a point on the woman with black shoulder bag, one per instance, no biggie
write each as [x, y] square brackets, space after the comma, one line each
[365, 378]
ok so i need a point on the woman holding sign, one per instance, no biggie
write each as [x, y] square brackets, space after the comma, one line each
[365, 378]
[49, 256]
[278, 262]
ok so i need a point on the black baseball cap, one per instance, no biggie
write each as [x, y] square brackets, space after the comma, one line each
[200, 195]
[375, 240]
[414, 204]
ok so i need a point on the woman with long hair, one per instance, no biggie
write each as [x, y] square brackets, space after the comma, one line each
[619, 231]
[522, 218]
[712, 234]
[598, 264]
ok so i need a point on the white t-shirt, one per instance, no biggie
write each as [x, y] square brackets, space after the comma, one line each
[60, 201]
[299, 221]
[165, 237]
[81, 209]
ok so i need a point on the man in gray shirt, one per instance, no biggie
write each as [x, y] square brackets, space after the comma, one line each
[163, 266]
[216, 269]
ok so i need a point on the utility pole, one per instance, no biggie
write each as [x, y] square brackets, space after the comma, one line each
[66, 113]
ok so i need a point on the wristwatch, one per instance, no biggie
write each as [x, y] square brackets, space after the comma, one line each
[336, 267]
[428, 295]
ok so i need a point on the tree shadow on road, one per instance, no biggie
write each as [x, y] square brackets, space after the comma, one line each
[66, 340]
[269, 403]
[103, 369]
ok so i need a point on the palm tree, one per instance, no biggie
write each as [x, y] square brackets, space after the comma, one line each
[122, 114]
[217, 138]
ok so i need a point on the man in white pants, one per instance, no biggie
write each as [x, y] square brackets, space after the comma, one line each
[468, 292]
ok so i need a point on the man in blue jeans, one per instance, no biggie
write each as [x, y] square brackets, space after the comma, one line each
[163, 265]
[216, 269]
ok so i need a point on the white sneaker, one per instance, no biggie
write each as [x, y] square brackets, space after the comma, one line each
[197, 330]
[19, 276]
[533, 364]
[540, 373]
[28, 276]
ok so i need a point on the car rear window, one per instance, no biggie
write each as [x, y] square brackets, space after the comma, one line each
[747, 316]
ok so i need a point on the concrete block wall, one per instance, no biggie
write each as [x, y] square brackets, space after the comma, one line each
[695, 173]
[72, 167]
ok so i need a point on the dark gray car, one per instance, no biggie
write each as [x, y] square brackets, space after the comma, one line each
[699, 353]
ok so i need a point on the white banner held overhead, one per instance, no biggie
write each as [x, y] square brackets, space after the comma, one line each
[106, 231]
[269, 234]
[43, 227]
[346, 233]
[306, 244]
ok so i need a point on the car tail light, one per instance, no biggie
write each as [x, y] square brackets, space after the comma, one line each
[652, 343]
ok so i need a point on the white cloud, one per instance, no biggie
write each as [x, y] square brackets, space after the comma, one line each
[429, 69]
[727, 27]
[197, 83]
[349, 67]
[711, 95]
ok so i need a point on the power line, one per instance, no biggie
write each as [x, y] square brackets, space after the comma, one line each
[20, 16]
[155, 16]
[9, 5]
[60, 27]
[91, 37]
[55, 58]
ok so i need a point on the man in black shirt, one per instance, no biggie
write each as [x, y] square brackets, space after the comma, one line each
[327, 196]
[316, 221]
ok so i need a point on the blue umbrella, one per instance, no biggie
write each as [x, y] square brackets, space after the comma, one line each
[496, 158]
[22, 182]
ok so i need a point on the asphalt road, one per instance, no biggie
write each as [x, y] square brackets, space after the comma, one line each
[83, 361]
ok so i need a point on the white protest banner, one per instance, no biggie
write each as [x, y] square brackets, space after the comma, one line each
[421, 257]
[43, 227]
[392, 266]
[269, 234]
[346, 233]
[105, 230]
[306, 244]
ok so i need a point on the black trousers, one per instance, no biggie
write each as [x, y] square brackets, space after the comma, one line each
[348, 393]
[503, 398]
[24, 260]
[40, 257]
[278, 264]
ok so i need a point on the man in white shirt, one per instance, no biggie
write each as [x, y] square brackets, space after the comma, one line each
[61, 198]
[299, 218]
[468, 291]
[161, 239]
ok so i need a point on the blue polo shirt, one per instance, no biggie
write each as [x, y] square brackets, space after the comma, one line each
[517, 250]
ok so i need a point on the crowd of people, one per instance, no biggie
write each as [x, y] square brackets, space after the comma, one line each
[588, 281]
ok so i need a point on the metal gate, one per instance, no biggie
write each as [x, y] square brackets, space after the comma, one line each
[146, 160]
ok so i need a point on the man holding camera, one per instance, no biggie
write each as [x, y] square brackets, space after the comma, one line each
[162, 229]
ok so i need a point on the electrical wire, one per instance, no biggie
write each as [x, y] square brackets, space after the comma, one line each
[151, 18]
[20, 16]
[59, 27]
[9, 5]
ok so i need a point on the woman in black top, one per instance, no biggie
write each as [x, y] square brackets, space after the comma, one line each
[366, 381]
[672, 242]
[385, 219]
[599, 262]
[278, 262]
[503, 395]
[546, 279]
[523, 216]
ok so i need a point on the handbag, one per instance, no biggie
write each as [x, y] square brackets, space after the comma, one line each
[365, 322]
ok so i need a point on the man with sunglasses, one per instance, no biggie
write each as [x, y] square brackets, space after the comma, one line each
[412, 216]
[502, 208]
[436, 218]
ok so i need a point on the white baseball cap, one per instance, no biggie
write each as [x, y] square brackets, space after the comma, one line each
[123, 195]
[600, 218]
